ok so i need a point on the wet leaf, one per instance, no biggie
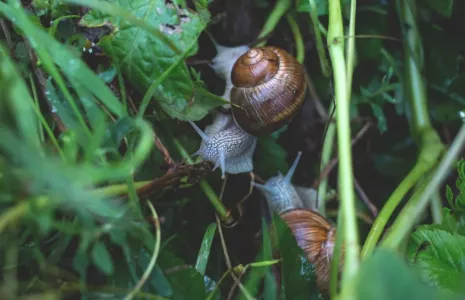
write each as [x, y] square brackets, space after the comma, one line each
[145, 57]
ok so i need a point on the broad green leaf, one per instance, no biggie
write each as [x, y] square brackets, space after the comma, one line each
[157, 281]
[443, 7]
[145, 57]
[440, 255]
[186, 282]
[102, 258]
[269, 150]
[298, 274]
[385, 276]
[204, 252]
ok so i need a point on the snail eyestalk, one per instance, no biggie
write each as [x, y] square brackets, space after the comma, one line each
[292, 169]
[202, 134]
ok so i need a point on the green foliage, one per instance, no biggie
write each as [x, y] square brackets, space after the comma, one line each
[386, 276]
[145, 57]
[81, 125]
[438, 250]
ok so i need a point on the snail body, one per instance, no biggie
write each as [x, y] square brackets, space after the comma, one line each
[313, 233]
[226, 145]
[268, 89]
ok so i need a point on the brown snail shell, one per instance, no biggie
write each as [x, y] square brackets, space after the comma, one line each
[269, 88]
[317, 237]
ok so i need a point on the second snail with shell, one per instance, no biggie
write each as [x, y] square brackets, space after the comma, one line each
[313, 233]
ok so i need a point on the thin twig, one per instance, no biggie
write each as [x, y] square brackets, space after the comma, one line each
[237, 282]
[334, 161]
[365, 199]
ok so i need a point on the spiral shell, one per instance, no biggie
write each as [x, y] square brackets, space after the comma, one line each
[268, 89]
[317, 237]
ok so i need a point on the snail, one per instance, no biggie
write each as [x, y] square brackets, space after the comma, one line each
[313, 233]
[268, 89]
[226, 145]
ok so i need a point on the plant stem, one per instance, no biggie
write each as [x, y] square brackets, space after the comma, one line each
[319, 41]
[351, 46]
[426, 137]
[346, 192]
[417, 204]
[275, 16]
[413, 52]
[325, 158]
[299, 44]
[207, 189]
[436, 207]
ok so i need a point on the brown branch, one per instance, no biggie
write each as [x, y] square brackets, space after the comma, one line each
[194, 173]
[365, 199]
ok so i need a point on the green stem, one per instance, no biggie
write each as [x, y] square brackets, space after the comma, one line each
[426, 137]
[346, 192]
[351, 46]
[299, 43]
[436, 207]
[319, 40]
[417, 204]
[275, 16]
[413, 52]
[325, 158]
[388, 208]
[334, 271]
[207, 189]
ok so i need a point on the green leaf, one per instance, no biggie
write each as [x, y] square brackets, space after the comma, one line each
[102, 258]
[16, 99]
[145, 57]
[298, 274]
[71, 65]
[440, 255]
[204, 252]
[269, 150]
[443, 7]
[186, 282]
[385, 276]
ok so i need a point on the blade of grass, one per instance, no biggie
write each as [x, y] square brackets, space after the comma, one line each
[19, 100]
[204, 252]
